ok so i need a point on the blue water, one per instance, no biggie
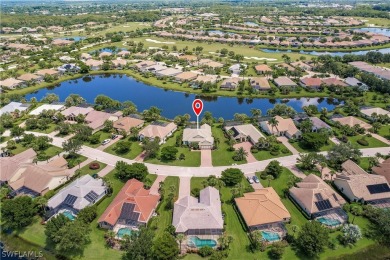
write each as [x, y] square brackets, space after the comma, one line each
[329, 221]
[203, 242]
[333, 54]
[112, 50]
[251, 24]
[270, 236]
[172, 103]
[74, 38]
[219, 32]
[123, 231]
[383, 31]
[69, 215]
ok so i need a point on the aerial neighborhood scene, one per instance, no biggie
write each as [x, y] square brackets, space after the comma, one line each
[162, 130]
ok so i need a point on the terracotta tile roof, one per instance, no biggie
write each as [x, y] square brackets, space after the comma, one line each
[352, 121]
[262, 68]
[46, 71]
[311, 82]
[28, 77]
[133, 193]
[261, 207]
[9, 165]
[126, 123]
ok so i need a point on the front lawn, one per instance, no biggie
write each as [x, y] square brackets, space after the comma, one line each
[221, 156]
[51, 128]
[385, 131]
[86, 170]
[164, 215]
[135, 150]
[103, 136]
[74, 161]
[49, 152]
[192, 158]
[372, 142]
[303, 149]
[265, 155]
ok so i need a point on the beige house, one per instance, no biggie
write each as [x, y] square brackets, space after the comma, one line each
[9, 165]
[243, 133]
[263, 69]
[119, 63]
[95, 119]
[144, 64]
[203, 216]
[301, 65]
[51, 72]
[186, 76]
[285, 82]
[369, 112]
[29, 77]
[126, 123]
[206, 78]
[230, 84]
[169, 72]
[72, 112]
[359, 186]
[285, 127]
[94, 64]
[263, 210]
[260, 83]
[318, 199]
[11, 83]
[158, 129]
[352, 121]
[202, 136]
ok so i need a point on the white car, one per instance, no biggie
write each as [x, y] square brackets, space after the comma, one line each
[250, 180]
[106, 141]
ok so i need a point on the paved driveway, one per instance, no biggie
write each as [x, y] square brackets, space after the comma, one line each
[156, 184]
[247, 147]
[184, 186]
[254, 184]
[205, 158]
[102, 147]
[284, 141]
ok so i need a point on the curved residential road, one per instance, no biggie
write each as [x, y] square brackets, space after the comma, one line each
[167, 170]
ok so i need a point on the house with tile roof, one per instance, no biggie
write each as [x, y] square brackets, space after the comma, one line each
[317, 124]
[186, 76]
[359, 186]
[126, 123]
[263, 69]
[168, 72]
[260, 83]
[383, 169]
[334, 82]
[203, 216]
[243, 133]
[230, 83]
[46, 107]
[202, 136]
[31, 78]
[51, 72]
[144, 64]
[82, 192]
[317, 199]
[368, 112]
[72, 112]
[11, 83]
[352, 121]
[10, 165]
[353, 82]
[157, 129]
[285, 127]
[133, 206]
[301, 65]
[34, 180]
[285, 82]
[311, 83]
[13, 106]
[94, 64]
[95, 119]
[263, 210]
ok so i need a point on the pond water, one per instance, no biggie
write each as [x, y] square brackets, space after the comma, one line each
[384, 31]
[172, 103]
[318, 53]
[73, 38]
[251, 24]
[219, 32]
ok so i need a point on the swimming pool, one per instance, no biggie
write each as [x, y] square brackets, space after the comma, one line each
[69, 215]
[196, 241]
[329, 221]
[270, 236]
[123, 231]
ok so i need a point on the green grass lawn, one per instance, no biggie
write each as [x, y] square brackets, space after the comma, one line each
[164, 218]
[4, 138]
[192, 158]
[302, 149]
[221, 156]
[385, 131]
[372, 142]
[19, 148]
[265, 155]
[74, 161]
[103, 136]
[51, 128]
[363, 163]
[86, 170]
[134, 151]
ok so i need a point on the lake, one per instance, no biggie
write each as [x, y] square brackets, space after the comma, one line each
[73, 38]
[172, 103]
[383, 31]
[318, 53]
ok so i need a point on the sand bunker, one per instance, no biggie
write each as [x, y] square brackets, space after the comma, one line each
[257, 58]
[155, 41]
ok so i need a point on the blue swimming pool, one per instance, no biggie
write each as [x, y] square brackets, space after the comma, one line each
[123, 231]
[196, 241]
[69, 215]
[329, 221]
[270, 236]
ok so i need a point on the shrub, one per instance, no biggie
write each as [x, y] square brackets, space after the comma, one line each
[274, 153]
[254, 150]
[94, 166]
[195, 192]
[363, 142]
[205, 251]
[344, 139]
[285, 150]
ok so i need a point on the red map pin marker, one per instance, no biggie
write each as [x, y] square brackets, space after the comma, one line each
[197, 106]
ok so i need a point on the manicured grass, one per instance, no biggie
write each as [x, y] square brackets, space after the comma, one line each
[363, 163]
[265, 155]
[164, 217]
[86, 170]
[74, 161]
[103, 136]
[135, 150]
[51, 128]
[372, 142]
[52, 151]
[221, 156]
[376, 21]
[385, 131]
[4, 138]
[192, 158]
[19, 148]
[302, 149]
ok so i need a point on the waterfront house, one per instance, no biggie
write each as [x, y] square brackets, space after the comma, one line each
[311, 83]
[263, 210]
[61, 42]
[203, 216]
[285, 127]
[82, 192]
[186, 76]
[126, 123]
[285, 82]
[202, 136]
[317, 124]
[46, 107]
[12, 107]
[317, 199]
[244, 133]
[11, 83]
[123, 53]
[68, 68]
[169, 72]
[230, 83]
[119, 63]
[133, 206]
[72, 112]
[334, 82]
[352, 121]
[104, 54]
[162, 130]
[260, 83]
[30, 78]
[94, 64]
[51, 72]
[144, 64]
[359, 186]
[206, 78]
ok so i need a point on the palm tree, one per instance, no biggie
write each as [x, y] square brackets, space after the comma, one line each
[294, 229]
[324, 111]
[41, 202]
[256, 113]
[273, 122]
[224, 241]
[217, 141]
[241, 154]
[180, 238]
[270, 178]
[205, 183]
[356, 211]
[110, 237]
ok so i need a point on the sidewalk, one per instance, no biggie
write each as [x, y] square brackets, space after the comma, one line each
[156, 185]
[380, 138]
[284, 141]
[298, 173]
[184, 187]
[106, 170]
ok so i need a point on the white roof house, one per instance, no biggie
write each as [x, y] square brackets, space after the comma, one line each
[11, 107]
[190, 215]
[202, 136]
[39, 110]
[377, 110]
[244, 133]
[82, 192]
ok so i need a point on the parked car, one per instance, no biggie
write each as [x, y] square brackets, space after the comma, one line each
[114, 137]
[249, 180]
[255, 179]
[106, 141]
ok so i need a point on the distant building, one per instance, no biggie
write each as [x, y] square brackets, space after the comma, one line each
[11, 83]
